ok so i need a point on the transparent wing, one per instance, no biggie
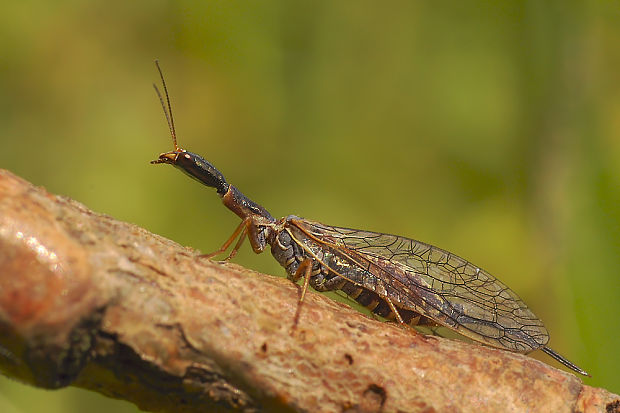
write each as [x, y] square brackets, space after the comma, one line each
[435, 283]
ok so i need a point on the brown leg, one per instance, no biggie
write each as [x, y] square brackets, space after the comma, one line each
[240, 232]
[395, 311]
[242, 237]
[304, 270]
[397, 314]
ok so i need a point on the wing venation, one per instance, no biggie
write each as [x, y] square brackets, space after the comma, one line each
[436, 283]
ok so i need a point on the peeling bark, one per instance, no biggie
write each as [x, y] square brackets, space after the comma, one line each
[92, 302]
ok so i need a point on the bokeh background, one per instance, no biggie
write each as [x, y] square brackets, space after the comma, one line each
[491, 129]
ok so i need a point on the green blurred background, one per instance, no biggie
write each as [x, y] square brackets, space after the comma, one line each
[491, 129]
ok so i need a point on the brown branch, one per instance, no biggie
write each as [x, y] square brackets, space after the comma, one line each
[89, 301]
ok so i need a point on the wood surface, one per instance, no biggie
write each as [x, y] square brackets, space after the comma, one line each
[92, 302]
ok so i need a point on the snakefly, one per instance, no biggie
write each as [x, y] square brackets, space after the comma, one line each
[395, 277]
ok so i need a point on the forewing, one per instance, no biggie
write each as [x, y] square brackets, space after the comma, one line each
[438, 284]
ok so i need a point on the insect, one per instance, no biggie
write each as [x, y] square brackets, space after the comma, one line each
[395, 277]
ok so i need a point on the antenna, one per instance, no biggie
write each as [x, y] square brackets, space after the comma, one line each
[168, 111]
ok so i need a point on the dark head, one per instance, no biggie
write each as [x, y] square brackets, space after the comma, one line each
[198, 168]
[195, 167]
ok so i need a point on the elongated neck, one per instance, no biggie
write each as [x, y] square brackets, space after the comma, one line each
[243, 206]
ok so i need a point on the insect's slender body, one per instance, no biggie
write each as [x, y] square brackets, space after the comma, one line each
[294, 244]
[395, 277]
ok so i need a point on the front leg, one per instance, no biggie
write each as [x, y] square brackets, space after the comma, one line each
[239, 234]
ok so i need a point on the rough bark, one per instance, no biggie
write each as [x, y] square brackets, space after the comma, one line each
[92, 302]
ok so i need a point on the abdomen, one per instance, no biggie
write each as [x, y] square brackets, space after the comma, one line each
[290, 248]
